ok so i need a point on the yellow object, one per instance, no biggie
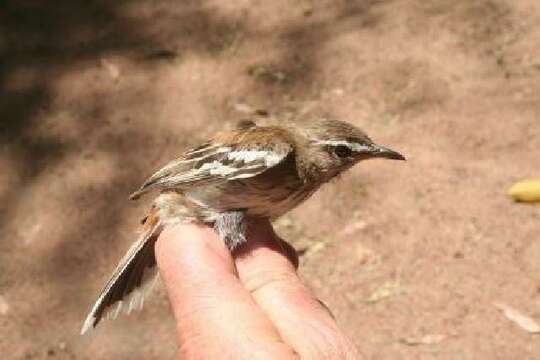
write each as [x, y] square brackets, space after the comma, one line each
[526, 190]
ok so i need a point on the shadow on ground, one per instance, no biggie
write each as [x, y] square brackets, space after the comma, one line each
[70, 160]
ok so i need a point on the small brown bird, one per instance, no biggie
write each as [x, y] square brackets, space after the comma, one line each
[252, 171]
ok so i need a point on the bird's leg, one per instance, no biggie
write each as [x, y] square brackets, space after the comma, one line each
[231, 228]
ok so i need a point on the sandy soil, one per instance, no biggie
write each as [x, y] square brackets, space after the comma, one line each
[95, 95]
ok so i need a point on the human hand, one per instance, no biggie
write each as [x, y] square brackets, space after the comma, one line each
[250, 306]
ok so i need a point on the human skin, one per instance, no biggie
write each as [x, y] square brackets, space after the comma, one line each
[249, 306]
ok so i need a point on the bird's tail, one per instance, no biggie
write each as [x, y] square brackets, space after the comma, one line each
[132, 279]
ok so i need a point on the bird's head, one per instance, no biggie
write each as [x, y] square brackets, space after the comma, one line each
[334, 146]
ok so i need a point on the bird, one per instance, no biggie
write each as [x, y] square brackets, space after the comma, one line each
[249, 171]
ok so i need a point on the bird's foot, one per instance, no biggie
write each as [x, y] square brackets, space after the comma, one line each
[231, 228]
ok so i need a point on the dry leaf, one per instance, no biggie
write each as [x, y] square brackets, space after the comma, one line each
[354, 227]
[389, 288]
[523, 321]
[428, 339]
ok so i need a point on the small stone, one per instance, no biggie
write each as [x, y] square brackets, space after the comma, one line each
[4, 306]
[242, 108]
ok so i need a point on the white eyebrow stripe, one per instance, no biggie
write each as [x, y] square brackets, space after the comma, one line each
[353, 146]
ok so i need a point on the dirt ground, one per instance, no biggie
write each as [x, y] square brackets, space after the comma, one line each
[411, 257]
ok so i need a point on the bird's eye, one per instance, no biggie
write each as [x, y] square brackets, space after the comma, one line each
[342, 151]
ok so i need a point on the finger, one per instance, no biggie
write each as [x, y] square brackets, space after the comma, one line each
[298, 316]
[216, 316]
[289, 251]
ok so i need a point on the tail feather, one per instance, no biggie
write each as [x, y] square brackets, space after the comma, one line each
[132, 279]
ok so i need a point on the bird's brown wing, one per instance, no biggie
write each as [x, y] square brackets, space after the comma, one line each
[229, 156]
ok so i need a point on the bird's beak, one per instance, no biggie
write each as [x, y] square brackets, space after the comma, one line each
[379, 151]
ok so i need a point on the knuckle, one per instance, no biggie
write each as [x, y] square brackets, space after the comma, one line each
[332, 345]
[262, 280]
